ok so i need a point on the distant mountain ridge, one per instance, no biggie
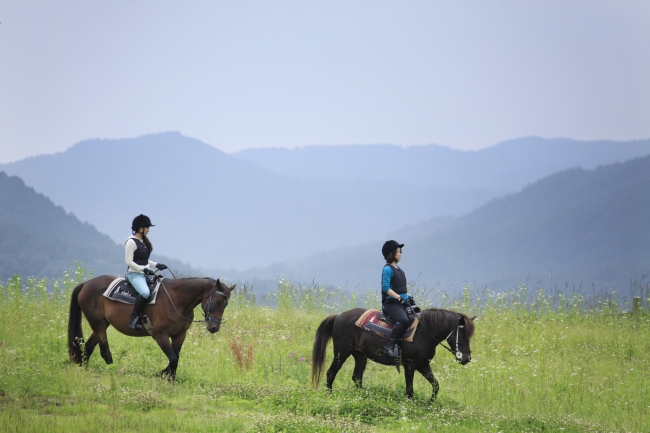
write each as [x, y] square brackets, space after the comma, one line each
[38, 238]
[504, 167]
[216, 211]
[581, 227]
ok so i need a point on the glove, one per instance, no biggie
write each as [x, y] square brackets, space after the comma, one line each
[402, 302]
[411, 300]
[148, 271]
[161, 267]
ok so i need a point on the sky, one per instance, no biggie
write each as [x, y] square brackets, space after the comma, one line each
[249, 74]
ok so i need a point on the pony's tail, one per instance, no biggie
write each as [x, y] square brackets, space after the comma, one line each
[75, 333]
[323, 335]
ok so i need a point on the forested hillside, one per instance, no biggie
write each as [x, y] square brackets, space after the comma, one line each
[39, 238]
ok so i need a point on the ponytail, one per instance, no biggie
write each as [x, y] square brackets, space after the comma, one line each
[147, 243]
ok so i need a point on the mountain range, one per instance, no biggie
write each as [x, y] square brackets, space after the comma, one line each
[577, 227]
[217, 211]
[505, 167]
[265, 217]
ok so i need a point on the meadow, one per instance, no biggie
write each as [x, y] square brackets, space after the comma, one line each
[542, 362]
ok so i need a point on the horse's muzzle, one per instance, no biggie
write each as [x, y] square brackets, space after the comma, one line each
[213, 328]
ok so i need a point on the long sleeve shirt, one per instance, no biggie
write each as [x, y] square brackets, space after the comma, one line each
[386, 277]
[129, 248]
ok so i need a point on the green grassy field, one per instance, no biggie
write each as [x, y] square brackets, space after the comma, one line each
[540, 364]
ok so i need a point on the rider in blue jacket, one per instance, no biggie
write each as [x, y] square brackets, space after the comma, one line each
[394, 297]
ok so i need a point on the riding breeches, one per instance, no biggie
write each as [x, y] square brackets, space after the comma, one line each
[139, 283]
[396, 312]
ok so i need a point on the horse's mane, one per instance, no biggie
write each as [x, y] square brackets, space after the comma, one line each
[435, 318]
[193, 278]
[212, 283]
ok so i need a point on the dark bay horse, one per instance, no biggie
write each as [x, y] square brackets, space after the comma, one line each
[171, 316]
[435, 326]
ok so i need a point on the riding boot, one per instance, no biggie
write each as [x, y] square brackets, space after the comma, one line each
[392, 349]
[138, 308]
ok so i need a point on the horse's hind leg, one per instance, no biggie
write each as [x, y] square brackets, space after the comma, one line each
[99, 337]
[339, 359]
[89, 347]
[360, 361]
[425, 371]
[104, 350]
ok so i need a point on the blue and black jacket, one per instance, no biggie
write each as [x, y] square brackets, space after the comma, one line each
[392, 278]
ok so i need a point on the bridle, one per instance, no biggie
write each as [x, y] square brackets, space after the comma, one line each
[457, 353]
[207, 309]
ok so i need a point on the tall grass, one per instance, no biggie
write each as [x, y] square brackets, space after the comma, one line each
[543, 360]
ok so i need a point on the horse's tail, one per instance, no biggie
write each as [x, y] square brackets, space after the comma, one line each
[75, 333]
[323, 335]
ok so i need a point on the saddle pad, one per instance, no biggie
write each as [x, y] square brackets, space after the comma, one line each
[370, 322]
[121, 291]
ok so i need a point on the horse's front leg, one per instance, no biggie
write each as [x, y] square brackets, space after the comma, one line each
[166, 347]
[409, 372]
[425, 371]
[177, 344]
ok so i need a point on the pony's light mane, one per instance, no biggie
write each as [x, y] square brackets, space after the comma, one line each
[435, 318]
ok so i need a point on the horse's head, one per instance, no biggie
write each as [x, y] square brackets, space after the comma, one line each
[458, 339]
[214, 303]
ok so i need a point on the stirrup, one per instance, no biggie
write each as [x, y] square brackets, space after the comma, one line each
[136, 323]
[146, 324]
[393, 351]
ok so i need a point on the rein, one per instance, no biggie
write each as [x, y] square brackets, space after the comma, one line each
[206, 310]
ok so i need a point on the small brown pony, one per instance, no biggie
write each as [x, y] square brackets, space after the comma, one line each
[435, 326]
[171, 316]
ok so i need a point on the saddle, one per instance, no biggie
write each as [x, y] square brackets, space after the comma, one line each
[121, 290]
[378, 323]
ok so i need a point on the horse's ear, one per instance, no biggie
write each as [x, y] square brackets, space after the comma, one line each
[232, 287]
[474, 318]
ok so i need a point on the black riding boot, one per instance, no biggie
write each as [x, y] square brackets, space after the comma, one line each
[392, 348]
[138, 308]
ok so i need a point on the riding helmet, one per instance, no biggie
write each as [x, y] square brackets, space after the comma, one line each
[389, 246]
[140, 221]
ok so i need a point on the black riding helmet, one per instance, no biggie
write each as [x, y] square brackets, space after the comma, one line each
[139, 222]
[390, 246]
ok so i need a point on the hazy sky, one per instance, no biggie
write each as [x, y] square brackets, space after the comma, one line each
[239, 74]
